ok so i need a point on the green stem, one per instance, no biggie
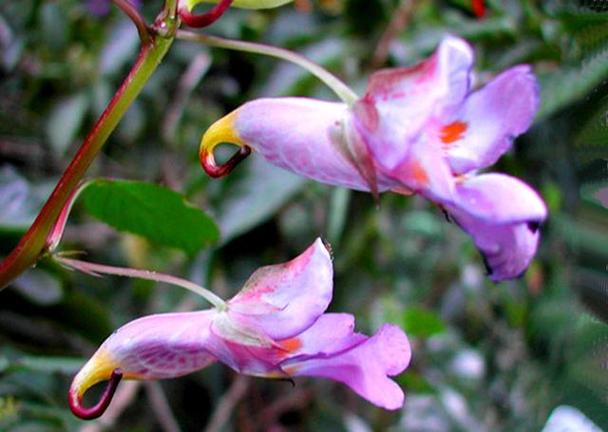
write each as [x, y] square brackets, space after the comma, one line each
[170, 9]
[342, 90]
[95, 269]
[32, 244]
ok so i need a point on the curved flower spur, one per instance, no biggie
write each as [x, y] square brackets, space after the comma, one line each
[416, 130]
[275, 327]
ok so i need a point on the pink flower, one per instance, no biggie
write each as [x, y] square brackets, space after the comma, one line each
[274, 327]
[416, 130]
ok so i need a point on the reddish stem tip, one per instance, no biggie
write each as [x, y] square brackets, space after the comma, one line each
[205, 19]
[215, 171]
[100, 407]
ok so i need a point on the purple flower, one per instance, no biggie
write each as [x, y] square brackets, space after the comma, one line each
[416, 130]
[274, 327]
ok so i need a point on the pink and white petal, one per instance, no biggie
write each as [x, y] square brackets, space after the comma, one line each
[500, 199]
[303, 136]
[494, 116]
[246, 359]
[507, 249]
[331, 333]
[285, 299]
[426, 172]
[400, 102]
[365, 367]
[160, 346]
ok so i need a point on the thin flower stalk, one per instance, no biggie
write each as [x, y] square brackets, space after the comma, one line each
[97, 269]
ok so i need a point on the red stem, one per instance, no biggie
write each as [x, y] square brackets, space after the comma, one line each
[35, 238]
[32, 244]
[207, 18]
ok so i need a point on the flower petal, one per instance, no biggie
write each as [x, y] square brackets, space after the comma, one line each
[494, 116]
[500, 199]
[152, 347]
[502, 214]
[304, 136]
[425, 170]
[247, 359]
[507, 249]
[364, 366]
[331, 333]
[285, 299]
[399, 103]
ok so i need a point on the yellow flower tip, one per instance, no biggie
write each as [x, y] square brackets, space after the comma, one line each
[99, 368]
[222, 131]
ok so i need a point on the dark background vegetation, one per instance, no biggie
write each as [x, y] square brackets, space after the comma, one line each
[486, 357]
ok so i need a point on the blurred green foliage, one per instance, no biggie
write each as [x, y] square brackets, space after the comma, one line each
[486, 357]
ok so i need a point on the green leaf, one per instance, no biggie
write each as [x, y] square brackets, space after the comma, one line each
[159, 214]
[422, 322]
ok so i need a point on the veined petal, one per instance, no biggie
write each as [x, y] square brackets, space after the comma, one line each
[284, 299]
[500, 199]
[305, 136]
[494, 116]
[152, 347]
[399, 103]
[364, 366]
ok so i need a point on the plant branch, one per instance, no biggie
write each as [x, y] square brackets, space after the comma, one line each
[133, 14]
[339, 88]
[32, 244]
[170, 10]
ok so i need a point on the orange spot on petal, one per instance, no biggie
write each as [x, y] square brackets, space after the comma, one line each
[291, 344]
[453, 132]
[419, 174]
